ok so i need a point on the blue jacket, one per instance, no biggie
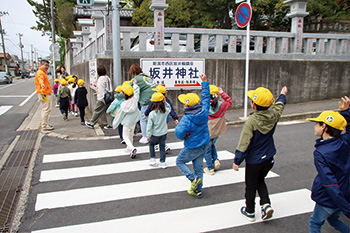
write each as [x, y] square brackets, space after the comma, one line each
[172, 112]
[256, 144]
[331, 187]
[195, 122]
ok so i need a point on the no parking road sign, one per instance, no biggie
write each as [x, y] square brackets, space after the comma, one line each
[243, 14]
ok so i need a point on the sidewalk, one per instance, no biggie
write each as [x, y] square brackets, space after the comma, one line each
[73, 130]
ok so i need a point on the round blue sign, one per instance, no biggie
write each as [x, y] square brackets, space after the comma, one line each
[243, 14]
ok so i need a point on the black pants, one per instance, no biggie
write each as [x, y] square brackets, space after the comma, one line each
[255, 181]
[64, 105]
[82, 113]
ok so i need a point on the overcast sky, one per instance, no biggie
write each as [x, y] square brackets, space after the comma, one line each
[19, 20]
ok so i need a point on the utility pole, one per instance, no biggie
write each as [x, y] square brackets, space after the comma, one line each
[53, 73]
[21, 45]
[31, 56]
[2, 13]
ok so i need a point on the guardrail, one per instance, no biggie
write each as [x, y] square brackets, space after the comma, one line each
[220, 43]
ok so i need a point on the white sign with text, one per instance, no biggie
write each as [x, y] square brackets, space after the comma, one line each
[174, 73]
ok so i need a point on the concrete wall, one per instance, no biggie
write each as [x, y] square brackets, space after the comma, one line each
[306, 80]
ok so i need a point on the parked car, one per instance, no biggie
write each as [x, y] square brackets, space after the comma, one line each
[5, 78]
[167, 43]
[31, 74]
[25, 74]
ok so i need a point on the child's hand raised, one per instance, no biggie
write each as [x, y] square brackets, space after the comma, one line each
[220, 90]
[284, 90]
[203, 77]
[344, 104]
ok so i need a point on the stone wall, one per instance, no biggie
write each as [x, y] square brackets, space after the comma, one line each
[306, 80]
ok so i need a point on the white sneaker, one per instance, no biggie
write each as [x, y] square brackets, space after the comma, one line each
[167, 149]
[162, 165]
[156, 147]
[152, 162]
[143, 140]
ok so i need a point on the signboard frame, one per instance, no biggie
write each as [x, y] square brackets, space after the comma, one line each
[175, 73]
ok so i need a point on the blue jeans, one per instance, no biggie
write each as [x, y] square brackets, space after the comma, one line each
[143, 123]
[196, 156]
[120, 131]
[321, 213]
[154, 141]
[211, 154]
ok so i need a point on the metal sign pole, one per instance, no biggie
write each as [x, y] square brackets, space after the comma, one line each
[117, 67]
[247, 69]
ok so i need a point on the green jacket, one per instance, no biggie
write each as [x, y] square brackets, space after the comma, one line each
[146, 84]
[156, 122]
[63, 93]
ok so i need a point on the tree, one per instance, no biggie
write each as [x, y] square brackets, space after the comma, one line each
[270, 15]
[65, 23]
[329, 9]
[64, 19]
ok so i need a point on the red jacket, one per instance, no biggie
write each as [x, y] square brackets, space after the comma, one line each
[223, 107]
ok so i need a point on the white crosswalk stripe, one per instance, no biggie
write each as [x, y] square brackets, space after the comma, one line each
[86, 167]
[299, 202]
[4, 109]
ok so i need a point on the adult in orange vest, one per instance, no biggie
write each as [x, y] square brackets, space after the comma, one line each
[43, 87]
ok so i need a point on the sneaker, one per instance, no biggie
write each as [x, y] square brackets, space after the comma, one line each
[266, 211]
[249, 216]
[156, 147]
[152, 162]
[83, 123]
[47, 128]
[196, 194]
[108, 127]
[207, 171]
[167, 149]
[143, 140]
[162, 165]
[76, 114]
[195, 182]
[57, 106]
[128, 151]
[88, 124]
[64, 116]
[217, 164]
[122, 142]
[133, 153]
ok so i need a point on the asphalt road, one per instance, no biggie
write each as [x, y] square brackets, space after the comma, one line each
[16, 100]
[161, 210]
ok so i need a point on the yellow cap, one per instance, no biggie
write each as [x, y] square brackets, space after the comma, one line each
[119, 89]
[64, 83]
[189, 99]
[81, 82]
[157, 97]
[61, 80]
[127, 89]
[333, 119]
[160, 89]
[213, 89]
[71, 80]
[126, 83]
[56, 80]
[261, 96]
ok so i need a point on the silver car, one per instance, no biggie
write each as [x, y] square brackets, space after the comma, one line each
[5, 78]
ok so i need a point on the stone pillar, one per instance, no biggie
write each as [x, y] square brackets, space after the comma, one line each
[108, 35]
[297, 14]
[85, 25]
[158, 7]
